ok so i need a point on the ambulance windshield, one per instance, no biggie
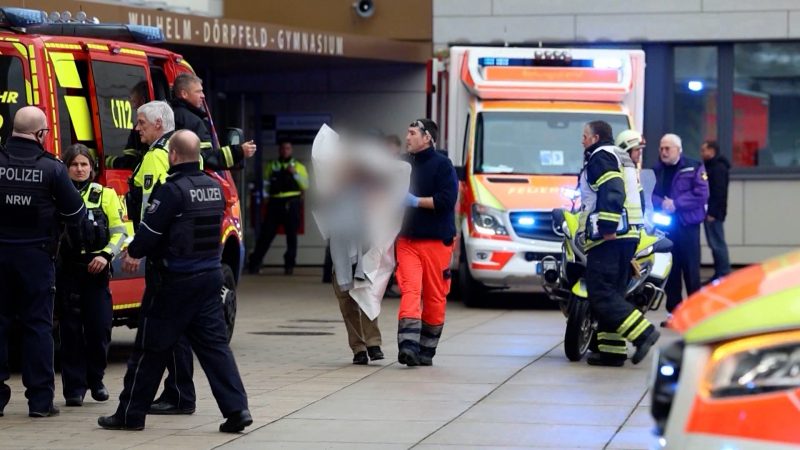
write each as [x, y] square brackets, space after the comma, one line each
[535, 143]
[12, 93]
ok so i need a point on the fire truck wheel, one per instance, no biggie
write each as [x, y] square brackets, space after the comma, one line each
[228, 298]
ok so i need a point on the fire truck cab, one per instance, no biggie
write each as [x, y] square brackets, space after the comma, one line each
[82, 75]
[512, 120]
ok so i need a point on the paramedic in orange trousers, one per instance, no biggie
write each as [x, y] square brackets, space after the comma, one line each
[424, 246]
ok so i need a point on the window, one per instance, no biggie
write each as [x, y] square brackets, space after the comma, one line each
[116, 83]
[536, 143]
[12, 93]
[695, 90]
[766, 103]
[75, 123]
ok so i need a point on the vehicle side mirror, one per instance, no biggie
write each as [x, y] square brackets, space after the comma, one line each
[234, 136]
[461, 173]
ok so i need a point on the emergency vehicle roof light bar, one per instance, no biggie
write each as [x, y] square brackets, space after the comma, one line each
[492, 73]
[35, 21]
[21, 17]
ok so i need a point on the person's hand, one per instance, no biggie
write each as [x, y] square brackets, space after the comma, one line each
[668, 205]
[130, 265]
[609, 236]
[249, 148]
[97, 265]
[411, 200]
[292, 169]
[710, 218]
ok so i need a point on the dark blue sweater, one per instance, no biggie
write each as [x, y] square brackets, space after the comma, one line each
[432, 175]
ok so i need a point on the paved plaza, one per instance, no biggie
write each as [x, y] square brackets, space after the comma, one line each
[499, 380]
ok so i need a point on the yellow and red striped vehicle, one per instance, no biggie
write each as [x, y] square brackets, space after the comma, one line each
[733, 380]
[81, 74]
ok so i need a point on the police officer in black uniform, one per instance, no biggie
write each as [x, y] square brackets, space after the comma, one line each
[35, 192]
[180, 233]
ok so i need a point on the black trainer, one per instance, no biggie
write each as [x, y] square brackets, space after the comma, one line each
[74, 401]
[360, 358]
[115, 423]
[375, 353]
[644, 347]
[408, 357]
[53, 411]
[604, 359]
[164, 408]
[236, 422]
[100, 393]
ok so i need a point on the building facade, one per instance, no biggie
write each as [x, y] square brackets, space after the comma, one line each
[727, 70]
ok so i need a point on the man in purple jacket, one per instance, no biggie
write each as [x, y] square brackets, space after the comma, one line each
[682, 192]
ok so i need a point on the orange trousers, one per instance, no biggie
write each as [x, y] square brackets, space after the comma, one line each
[423, 276]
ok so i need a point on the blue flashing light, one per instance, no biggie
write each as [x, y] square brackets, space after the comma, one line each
[695, 85]
[526, 221]
[146, 35]
[667, 370]
[22, 17]
[662, 219]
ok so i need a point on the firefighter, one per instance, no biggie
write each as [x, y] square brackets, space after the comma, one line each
[35, 193]
[425, 246]
[612, 215]
[286, 179]
[84, 269]
[180, 235]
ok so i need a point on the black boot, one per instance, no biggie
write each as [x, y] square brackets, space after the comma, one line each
[360, 358]
[115, 423]
[643, 347]
[236, 422]
[605, 359]
[375, 353]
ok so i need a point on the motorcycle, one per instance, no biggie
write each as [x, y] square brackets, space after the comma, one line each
[564, 279]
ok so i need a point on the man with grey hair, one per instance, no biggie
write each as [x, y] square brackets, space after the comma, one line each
[682, 192]
[155, 124]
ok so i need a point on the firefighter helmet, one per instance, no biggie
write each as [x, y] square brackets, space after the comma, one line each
[629, 140]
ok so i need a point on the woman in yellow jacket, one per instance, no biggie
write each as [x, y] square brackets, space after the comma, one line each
[82, 278]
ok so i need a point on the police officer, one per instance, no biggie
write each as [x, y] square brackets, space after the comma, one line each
[286, 179]
[180, 234]
[35, 192]
[156, 124]
[612, 215]
[84, 269]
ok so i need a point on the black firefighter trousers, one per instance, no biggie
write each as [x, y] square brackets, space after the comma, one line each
[608, 272]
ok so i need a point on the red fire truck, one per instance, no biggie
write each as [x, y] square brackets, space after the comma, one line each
[81, 74]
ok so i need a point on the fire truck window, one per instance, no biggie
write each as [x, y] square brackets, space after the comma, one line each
[119, 91]
[160, 84]
[75, 123]
[535, 143]
[766, 104]
[12, 93]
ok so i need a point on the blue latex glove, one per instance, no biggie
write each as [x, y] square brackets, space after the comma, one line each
[412, 200]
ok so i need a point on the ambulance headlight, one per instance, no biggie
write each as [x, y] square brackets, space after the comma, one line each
[661, 219]
[737, 369]
[488, 220]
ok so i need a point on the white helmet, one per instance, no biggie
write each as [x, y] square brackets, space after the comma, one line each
[629, 140]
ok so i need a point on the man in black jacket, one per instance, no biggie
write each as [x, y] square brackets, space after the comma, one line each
[190, 114]
[717, 167]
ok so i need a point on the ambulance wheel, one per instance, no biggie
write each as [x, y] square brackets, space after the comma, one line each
[580, 330]
[228, 297]
[472, 291]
